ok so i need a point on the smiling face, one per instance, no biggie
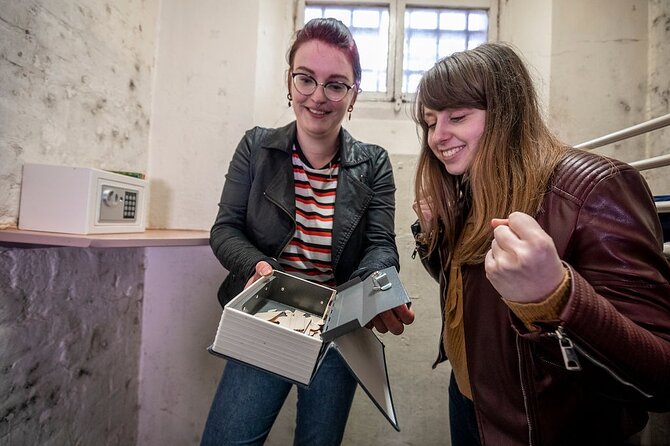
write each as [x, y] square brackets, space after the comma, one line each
[453, 136]
[319, 118]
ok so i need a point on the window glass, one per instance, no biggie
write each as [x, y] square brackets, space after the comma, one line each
[450, 44]
[341, 14]
[478, 21]
[370, 27]
[453, 20]
[434, 33]
[428, 35]
[420, 19]
[366, 18]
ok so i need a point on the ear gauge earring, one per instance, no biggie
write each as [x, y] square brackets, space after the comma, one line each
[290, 98]
[350, 109]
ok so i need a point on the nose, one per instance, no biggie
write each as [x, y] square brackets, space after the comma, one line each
[442, 130]
[319, 94]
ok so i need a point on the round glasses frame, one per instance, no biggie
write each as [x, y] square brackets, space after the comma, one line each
[307, 85]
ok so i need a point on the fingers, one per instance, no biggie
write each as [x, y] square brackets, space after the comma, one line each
[520, 234]
[523, 225]
[499, 221]
[424, 212]
[504, 239]
[263, 269]
[404, 314]
[393, 320]
[378, 324]
[522, 263]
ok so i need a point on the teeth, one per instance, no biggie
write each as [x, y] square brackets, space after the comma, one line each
[317, 112]
[450, 152]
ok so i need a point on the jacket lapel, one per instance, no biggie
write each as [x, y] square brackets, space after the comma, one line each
[353, 195]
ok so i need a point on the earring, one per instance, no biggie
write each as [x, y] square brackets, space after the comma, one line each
[350, 109]
[290, 98]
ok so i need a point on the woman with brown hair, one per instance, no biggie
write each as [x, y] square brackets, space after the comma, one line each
[554, 287]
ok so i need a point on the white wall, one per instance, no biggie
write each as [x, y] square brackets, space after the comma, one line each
[527, 24]
[599, 70]
[204, 100]
[274, 28]
[180, 315]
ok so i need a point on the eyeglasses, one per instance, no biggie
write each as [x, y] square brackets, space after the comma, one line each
[306, 85]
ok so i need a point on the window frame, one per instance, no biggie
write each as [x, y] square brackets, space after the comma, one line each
[394, 63]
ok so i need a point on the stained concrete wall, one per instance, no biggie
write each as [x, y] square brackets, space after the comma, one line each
[69, 346]
[76, 89]
[658, 101]
[168, 87]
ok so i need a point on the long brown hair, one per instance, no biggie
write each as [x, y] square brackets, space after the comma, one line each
[517, 152]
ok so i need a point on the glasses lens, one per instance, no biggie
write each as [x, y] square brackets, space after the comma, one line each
[336, 91]
[304, 84]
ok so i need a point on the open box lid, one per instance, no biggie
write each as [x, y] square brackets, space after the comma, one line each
[358, 302]
[363, 353]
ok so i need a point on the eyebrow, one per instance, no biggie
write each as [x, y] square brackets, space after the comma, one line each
[429, 114]
[332, 77]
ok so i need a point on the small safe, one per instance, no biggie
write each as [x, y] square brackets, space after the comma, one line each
[81, 200]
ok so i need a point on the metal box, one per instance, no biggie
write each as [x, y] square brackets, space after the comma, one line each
[246, 335]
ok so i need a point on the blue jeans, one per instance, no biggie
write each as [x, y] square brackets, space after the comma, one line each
[248, 401]
[462, 418]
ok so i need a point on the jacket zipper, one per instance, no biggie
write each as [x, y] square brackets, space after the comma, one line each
[289, 216]
[523, 392]
[570, 359]
[569, 351]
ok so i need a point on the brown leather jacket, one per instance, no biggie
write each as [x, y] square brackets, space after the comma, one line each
[601, 216]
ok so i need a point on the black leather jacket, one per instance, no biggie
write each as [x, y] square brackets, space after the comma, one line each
[602, 218]
[256, 218]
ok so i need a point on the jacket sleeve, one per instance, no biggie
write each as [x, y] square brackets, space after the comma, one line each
[380, 250]
[618, 311]
[430, 260]
[228, 239]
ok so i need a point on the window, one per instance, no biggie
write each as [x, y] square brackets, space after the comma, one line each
[370, 28]
[431, 34]
[398, 40]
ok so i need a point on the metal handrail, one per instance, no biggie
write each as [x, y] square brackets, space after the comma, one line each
[648, 126]
[649, 163]
[652, 163]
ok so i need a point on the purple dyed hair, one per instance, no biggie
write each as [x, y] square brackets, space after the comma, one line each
[332, 32]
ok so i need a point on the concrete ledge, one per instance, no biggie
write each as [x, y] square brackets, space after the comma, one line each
[150, 237]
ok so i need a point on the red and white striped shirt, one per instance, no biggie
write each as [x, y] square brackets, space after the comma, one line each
[308, 254]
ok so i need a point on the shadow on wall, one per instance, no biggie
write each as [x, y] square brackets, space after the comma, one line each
[160, 192]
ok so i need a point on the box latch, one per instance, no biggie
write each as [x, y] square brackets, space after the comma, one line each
[380, 281]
